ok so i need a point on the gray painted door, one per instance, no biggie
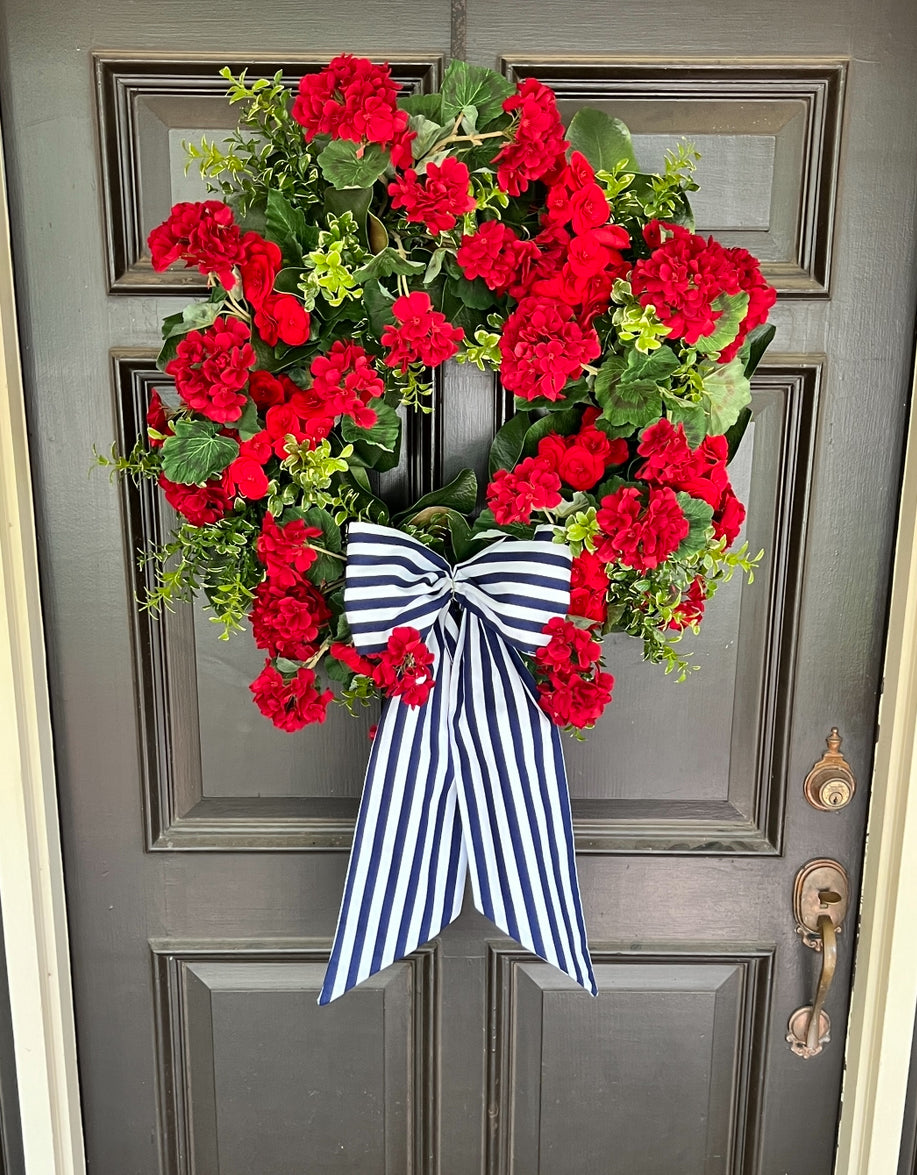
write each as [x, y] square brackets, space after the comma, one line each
[205, 853]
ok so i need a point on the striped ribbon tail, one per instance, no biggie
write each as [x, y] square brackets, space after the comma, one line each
[472, 781]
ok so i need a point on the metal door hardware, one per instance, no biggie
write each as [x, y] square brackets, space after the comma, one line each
[821, 896]
[830, 784]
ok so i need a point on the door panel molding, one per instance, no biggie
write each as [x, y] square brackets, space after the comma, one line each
[709, 1011]
[208, 992]
[144, 102]
[781, 118]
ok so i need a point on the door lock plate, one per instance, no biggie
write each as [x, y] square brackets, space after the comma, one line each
[822, 888]
[830, 784]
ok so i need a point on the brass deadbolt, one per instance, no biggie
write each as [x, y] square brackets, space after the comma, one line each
[830, 784]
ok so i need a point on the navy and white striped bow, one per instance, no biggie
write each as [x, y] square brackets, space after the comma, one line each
[474, 779]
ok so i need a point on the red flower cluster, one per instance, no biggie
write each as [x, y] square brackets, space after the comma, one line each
[289, 410]
[439, 199]
[246, 474]
[202, 234]
[286, 621]
[700, 472]
[573, 689]
[498, 255]
[588, 588]
[353, 99]
[422, 333]
[157, 421]
[200, 505]
[211, 368]
[542, 347]
[581, 460]
[686, 273]
[690, 611]
[259, 265]
[345, 380]
[514, 493]
[290, 702]
[637, 535]
[538, 147]
[401, 670]
[285, 550]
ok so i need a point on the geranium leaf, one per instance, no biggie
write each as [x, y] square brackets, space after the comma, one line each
[638, 404]
[379, 446]
[733, 308]
[325, 569]
[508, 442]
[699, 515]
[467, 85]
[196, 452]
[571, 393]
[605, 141]
[692, 418]
[473, 293]
[247, 425]
[343, 168]
[726, 392]
[426, 133]
[460, 494]
[429, 105]
[754, 346]
[655, 367]
[385, 263]
[378, 302]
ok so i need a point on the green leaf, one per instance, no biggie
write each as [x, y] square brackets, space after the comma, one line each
[564, 423]
[426, 133]
[378, 302]
[507, 445]
[379, 446]
[754, 346]
[486, 527]
[196, 453]
[343, 168]
[460, 534]
[325, 569]
[429, 105]
[385, 263]
[461, 494]
[376, 232]
[473, 293]
[605, 141]
[692, 417]
[247, 424]
[655, 367]
[286, 226]
[572, 393]
[434, 267]
[637, 404]
[726, 392]
[735, 434]
[699, 515]
[467, 85]
[733, 308]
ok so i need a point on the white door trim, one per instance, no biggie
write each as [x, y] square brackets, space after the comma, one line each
[885, 984]
[31, 870]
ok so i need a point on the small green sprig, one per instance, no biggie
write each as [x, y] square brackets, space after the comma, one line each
[141, 462]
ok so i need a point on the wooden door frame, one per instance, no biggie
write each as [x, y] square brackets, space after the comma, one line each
[31, 869]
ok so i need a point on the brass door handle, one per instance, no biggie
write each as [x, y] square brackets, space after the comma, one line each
[820, 901]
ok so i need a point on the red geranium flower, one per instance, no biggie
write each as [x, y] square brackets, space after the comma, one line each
[285, 550]
[157, 420]
[201, 505]
[287, 621]
[690, 611]
[202, 234]
[588, 588]
[439, 199]
[422, 333]
[514, 493]
[290, 702]
[210, 369]
[351, 98]
[495, 253]
[538, 148]
[573, 690]
[640, 536]
[345, 380]
[403, 668]
[543, 346]
[283, 318]
[259, 265]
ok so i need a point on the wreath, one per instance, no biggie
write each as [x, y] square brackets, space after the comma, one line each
[361, 240]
